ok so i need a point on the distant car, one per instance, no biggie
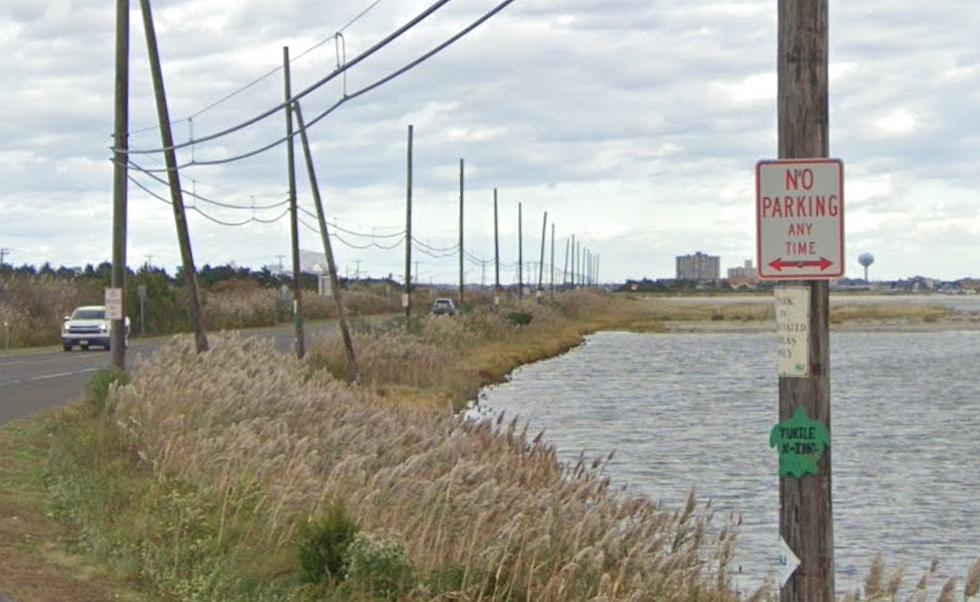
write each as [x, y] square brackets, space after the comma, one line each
[443, 307]
[88, 327]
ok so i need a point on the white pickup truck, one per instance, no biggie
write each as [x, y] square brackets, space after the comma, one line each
[88, 326]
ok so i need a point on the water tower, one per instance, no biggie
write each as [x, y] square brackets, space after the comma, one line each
[866, 259]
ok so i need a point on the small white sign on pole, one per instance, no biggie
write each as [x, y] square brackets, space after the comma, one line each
[114, 303]
[800, 219]
[793, 330]
[404, 299]
[787, 563]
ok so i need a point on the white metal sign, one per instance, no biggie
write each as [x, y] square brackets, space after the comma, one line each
[404, 299]
[800, 219]
[114, 303]
[787, 561]
[793, 329]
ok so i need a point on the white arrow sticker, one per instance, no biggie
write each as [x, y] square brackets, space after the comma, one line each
[787, 562]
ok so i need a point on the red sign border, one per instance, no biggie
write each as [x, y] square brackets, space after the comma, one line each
[758, 219]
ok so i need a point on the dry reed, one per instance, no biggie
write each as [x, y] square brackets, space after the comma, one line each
[482, 496]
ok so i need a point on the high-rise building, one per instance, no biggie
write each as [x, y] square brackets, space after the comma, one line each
[699, 267]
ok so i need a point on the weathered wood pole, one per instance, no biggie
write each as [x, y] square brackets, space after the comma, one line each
[173, 178]
[120, 184]
[407, 298]
[352, 371]
[805, 505]
[461, 233]
[300, 339]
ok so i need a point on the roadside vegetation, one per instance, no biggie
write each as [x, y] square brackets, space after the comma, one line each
[34, 302]
[246, 474]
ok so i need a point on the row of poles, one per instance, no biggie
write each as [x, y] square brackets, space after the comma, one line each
[585, 264]
[583, 271]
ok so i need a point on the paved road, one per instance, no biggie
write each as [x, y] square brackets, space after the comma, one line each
[34, 382]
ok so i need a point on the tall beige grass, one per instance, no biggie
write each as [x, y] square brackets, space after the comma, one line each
[34, 306]
[275, 445]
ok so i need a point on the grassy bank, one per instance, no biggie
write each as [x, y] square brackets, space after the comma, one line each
[245, 474]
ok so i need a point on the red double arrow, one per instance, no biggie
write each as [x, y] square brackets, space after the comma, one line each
[778, 264]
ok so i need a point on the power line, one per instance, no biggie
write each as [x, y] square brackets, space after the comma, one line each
[265, 76]
[200, 212]
[315, 86]
[347, 243]
[152, 173]
[352, 232]
[330, 109]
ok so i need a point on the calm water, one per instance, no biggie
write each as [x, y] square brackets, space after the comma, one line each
[906, 434]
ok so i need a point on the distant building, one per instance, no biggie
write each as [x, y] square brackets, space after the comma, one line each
[745, 272]
[745, 276]
[699, 267]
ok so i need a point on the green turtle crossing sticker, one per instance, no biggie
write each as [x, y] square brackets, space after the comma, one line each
[800, 443]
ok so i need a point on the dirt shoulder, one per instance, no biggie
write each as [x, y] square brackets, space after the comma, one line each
[34, 564]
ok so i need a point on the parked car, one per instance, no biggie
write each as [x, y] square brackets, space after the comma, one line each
[443, 306]
[87, 327]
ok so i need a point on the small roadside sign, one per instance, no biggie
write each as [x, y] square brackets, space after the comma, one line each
[114, 303]
[787, 562]
[141, 291]
[800, 219]
[793, 329]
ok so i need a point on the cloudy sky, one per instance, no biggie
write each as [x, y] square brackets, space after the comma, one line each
[635, 124]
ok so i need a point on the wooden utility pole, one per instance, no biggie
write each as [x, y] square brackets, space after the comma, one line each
[407, 297]
[571, 273]
[461, 232]
[805, 504]
[120, 184]
[551, 263]
[496, 250]
[352, 370]
[564, 271]
[520, 253]
[293, 213]
[544, 236]
[173, 177]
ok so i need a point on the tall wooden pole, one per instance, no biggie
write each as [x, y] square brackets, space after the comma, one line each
[571, 274]
[520, 252]
[120, 184]
[552, 262]
[544, 237]
[352, 370]
[300, 342]
[460, 232]
[564, 271]
[496, 250]
[407, 298]
[805, 504]
[173, 177]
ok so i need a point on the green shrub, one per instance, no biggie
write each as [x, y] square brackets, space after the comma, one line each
[323, 546]
[97, 389]
[378, 564]
[520, 318]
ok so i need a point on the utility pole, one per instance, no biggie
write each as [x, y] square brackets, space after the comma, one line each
[496, 251]
[176, 195]
[460, 232]
[544, 236]
[520, 253]
[120, 183]
[805, 504]
[293, 212]
[352, 370]
[407, 297]
[3, 253]
[551, 263]
[572, 273]
[564, 270]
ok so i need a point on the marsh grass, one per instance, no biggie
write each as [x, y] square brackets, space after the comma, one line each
[243, 445]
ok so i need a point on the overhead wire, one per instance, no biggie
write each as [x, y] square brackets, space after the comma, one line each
[263, 77]
[345, 99]
[347, 243]
[352, 232]
[302, 93]
[153, 174]
[200, 212]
